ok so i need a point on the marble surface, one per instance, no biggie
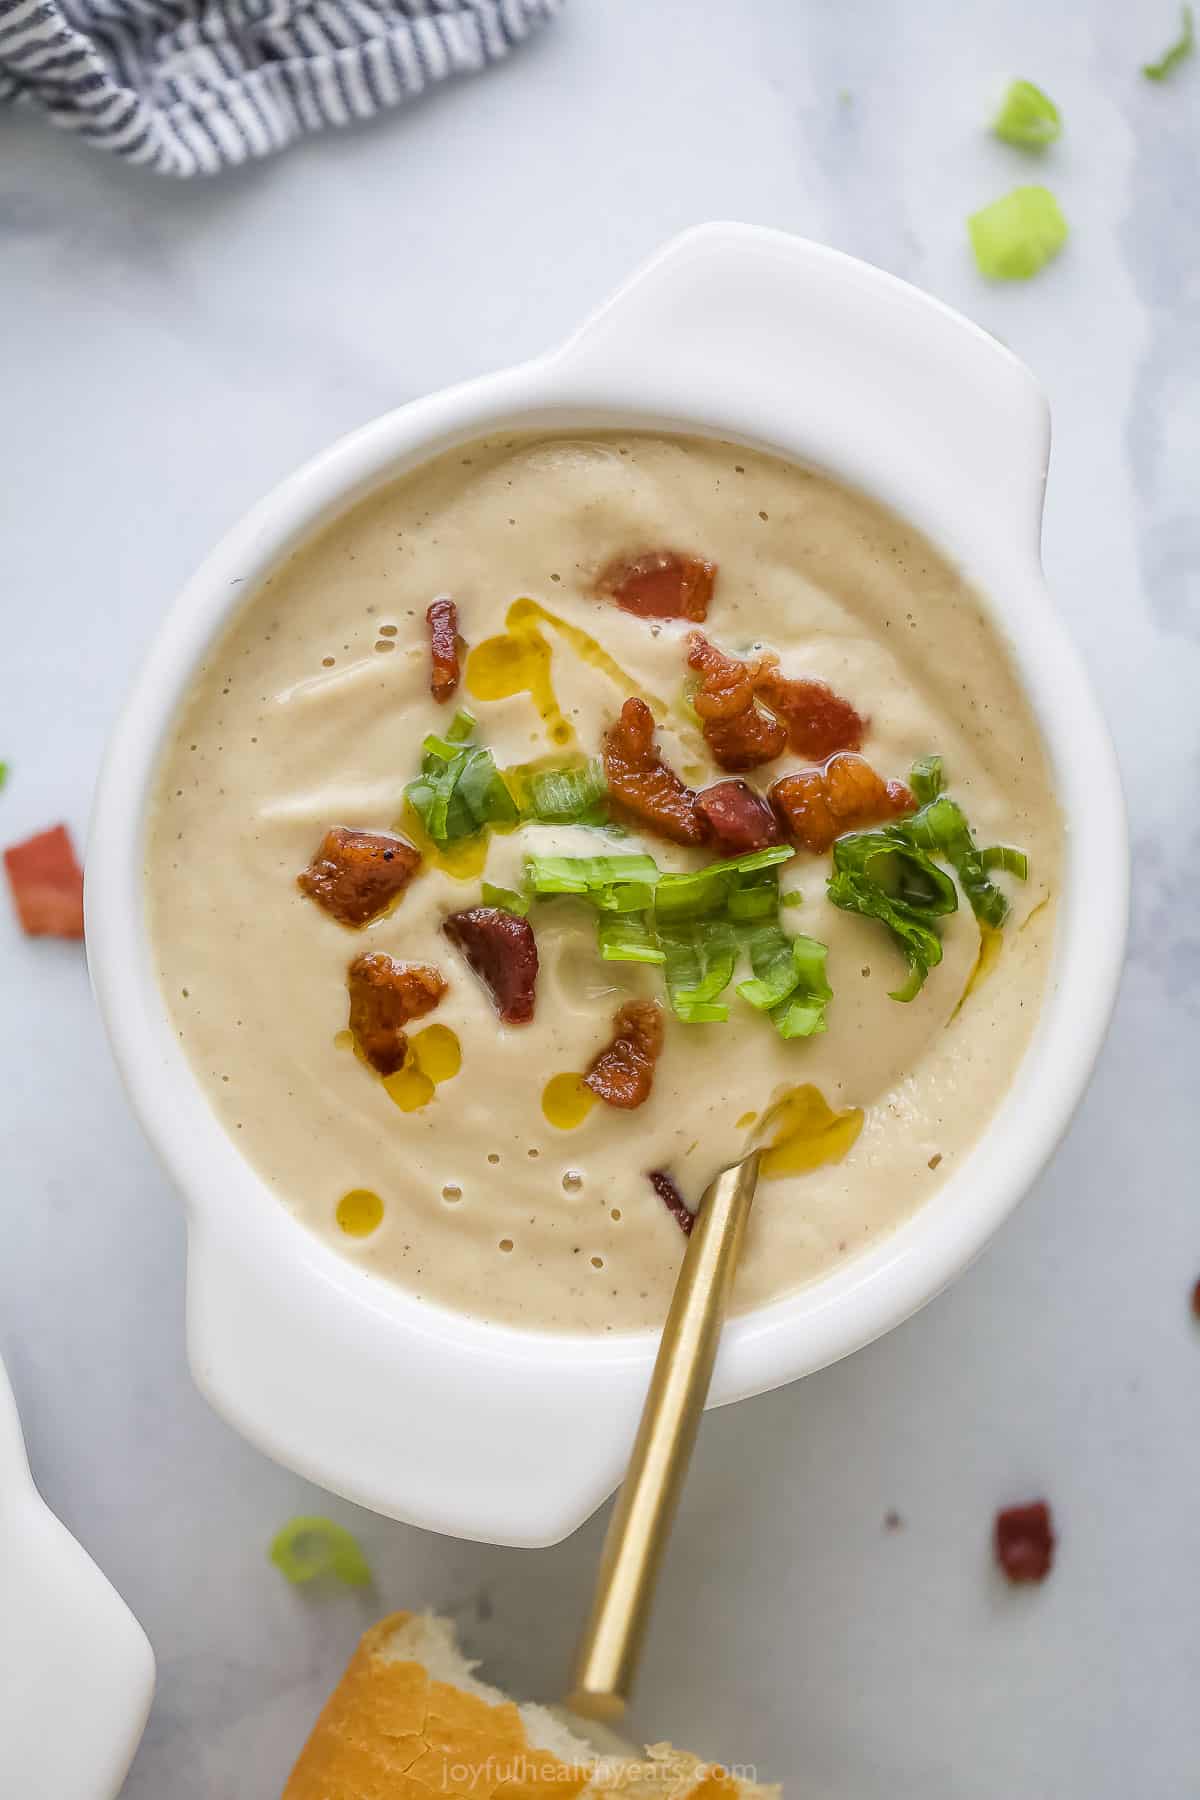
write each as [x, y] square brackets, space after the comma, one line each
[166, 353]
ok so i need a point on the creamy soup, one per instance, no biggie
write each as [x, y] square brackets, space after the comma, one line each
[482, 1174]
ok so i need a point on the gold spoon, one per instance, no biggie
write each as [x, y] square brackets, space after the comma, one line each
[607, 1658]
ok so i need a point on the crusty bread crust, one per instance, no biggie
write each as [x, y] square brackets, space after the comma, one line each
[392, 1731]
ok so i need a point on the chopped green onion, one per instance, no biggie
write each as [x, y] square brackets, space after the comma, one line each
[569, 796]
[3, 773]
[1177, 52]
[625, 938]
[459, 791]
[461, 726]
[507, 899]
[942, 826]
[776, 968]
[799, 1018]
[752, 861]
[307, 1547]
[693, 895]
[1027, 117]
[581, 874]
[755, 901]
[1017, 235]
[900, 865]
[440, 748]
[1003, 856]
[699, 962]
[791, 897]
[855, 892]
[927, 778]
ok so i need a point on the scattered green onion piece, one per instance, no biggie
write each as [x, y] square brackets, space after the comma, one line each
[626, 938]
[1177, 52]
[3, 773]
[1017, 235]
[701, 1012]
[699, 962]
[305, 1548]
[461, 726]
[753, 903]
[507, 899]
[579, 874]
[942, 826]
[1003, 856]
[1027, 117]
[693, 895]
[927, 778]
[899, 864]
[752, 861]
[800, 1018]
[569, 796]
[440, 748]
[855, 892]
[792, 897]
[776, 969]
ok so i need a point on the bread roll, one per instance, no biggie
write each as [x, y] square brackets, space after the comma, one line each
[408, 1721]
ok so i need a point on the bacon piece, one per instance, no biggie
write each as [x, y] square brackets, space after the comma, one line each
[1024, 1541]
[47, 884]
[660, 584]
[442, 620]
[673, 1200]
[502, 950]
[818, 805]
[623, 1073]
[736, 729]
[1196, 1300]
[639, 778]
[385, 996]
[738, 818]
[819, 722]
[357, 875]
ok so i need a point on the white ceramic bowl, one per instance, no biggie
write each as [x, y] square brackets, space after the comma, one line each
[76, 1670]
[515, 1436]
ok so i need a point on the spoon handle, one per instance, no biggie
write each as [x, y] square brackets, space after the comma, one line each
[608, 1653]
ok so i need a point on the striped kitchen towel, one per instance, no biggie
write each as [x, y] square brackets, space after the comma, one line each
[190, 87]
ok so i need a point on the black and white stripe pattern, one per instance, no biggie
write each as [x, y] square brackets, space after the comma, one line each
[190, 87]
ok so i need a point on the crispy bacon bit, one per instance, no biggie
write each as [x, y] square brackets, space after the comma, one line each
[357, 875]
[736, 729]
[660, 584]
[738, 818]
[818, 805]
[502, 950]
[639, 778]
[673, 1200]
[819, 722]
[385, 996]
[47, 884]
[442, 620]
[1024, 1541]
[623, 1073]
[1196, 1300]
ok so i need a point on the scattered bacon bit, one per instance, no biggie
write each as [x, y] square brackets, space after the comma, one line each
[660, 584]
[639, 778]
[818, 805]
[623, 1073]
[442, 620]
[357, 875]
[47, 884]
[736, 729]
[819, 722]
[385, 996]
[1196, 1299]
[738, 818]
[673, 1200]
[1024, 1541]
[502, 950]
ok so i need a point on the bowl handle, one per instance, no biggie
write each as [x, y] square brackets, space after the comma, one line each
[450, 1424]
[784, 341]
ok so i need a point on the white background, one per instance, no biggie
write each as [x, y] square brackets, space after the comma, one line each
[166, 353]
